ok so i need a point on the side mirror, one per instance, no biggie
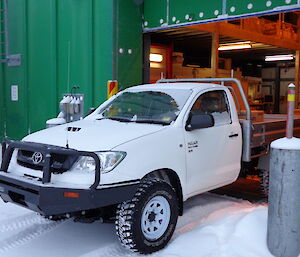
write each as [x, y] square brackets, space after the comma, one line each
[199, 120]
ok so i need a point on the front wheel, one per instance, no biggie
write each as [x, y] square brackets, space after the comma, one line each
[147, 222]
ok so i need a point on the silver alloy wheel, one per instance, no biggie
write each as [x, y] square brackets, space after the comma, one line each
[155, 218]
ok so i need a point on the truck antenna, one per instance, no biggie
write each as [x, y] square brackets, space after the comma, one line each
[68, 86]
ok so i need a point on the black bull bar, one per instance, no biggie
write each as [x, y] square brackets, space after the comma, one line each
[49, 200]
[8, 148]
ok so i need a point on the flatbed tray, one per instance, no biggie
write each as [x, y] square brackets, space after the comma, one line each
[273, 127]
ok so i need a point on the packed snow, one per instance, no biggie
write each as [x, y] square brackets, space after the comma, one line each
[286, 143]
[212, 225]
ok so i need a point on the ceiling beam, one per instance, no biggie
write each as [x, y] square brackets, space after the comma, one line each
[231, 30]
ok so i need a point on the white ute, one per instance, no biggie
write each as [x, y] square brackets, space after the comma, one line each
[136, 158]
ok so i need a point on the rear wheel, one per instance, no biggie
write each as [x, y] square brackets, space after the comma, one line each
[146, 223]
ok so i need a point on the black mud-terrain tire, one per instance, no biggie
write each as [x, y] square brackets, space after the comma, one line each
[130, 216]
[55, 218]
[264, 182]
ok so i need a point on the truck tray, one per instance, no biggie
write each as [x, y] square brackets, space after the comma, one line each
[273, 127]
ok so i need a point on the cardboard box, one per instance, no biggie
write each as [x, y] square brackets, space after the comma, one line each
[297, 112]
[256, 116]
[177, 57]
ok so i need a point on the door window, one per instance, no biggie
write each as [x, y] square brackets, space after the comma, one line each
[216, 104]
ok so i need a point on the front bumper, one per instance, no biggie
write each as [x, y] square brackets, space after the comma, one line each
[49, 200]
[43, 197]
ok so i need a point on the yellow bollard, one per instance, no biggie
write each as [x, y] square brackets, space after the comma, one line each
[112, 88]
[291, 108]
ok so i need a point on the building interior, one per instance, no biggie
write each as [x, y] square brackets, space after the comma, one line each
[259, 51]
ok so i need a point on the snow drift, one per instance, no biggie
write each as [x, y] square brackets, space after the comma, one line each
[212, 225]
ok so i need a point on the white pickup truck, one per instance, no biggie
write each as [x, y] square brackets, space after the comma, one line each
[134, 160]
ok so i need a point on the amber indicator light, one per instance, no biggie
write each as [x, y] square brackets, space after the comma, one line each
[71, 195]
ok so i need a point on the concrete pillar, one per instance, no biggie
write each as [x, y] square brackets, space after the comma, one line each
[283, 237]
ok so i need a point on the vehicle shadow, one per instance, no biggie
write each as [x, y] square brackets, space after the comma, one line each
[65, 238]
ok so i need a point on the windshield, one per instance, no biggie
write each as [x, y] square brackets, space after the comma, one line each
[155, 106]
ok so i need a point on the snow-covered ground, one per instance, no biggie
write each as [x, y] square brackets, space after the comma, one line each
[212, 226]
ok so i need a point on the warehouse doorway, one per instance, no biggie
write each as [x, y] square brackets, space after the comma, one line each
[237, 48]
[160, 62]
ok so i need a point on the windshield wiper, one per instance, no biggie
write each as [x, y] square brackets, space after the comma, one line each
[164, 123]
[121, 119]
[149, 121]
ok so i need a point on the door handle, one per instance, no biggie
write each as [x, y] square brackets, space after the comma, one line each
[234, 135]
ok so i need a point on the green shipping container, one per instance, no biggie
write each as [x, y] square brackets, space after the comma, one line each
[62, 44]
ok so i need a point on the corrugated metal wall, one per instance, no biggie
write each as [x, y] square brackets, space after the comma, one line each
[161, 14]
[66, 43]
[1, 78]
[1, 75]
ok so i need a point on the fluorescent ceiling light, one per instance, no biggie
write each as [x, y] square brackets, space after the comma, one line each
[156, 58]
[235, 46]
[283, 57]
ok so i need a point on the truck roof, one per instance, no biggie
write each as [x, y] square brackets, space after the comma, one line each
[187, 85]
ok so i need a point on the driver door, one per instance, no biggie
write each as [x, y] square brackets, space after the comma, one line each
[212, 154]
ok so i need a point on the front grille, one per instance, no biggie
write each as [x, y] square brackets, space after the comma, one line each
[26, 153]
[59, 162]
[30, 165]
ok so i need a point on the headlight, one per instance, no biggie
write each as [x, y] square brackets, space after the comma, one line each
[108, 161]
